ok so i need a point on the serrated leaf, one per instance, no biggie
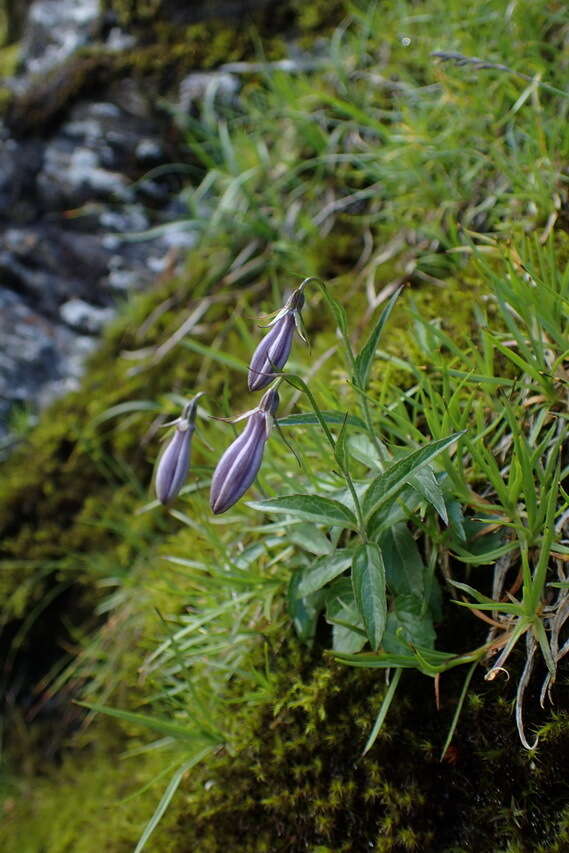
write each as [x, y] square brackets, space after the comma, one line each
[323, 570]
[425, 482]
[365, 357]
[368, 578]
[386, 485]
[309, 508]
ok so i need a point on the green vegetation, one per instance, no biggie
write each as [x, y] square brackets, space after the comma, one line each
[384, 167]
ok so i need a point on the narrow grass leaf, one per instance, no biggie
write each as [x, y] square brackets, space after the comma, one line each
[126, 408]
[171, 789]
[337, 310]
[365, 357]
[385, 706]
[163, 727]
[458, 710]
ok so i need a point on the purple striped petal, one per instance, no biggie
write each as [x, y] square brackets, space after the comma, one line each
[239, 465]
[173, 464]
[272, 353]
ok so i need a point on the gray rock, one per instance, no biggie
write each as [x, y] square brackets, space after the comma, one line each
[220, 86]
[84, 317]
[55, 29]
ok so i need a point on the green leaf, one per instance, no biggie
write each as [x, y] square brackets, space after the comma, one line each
[393, 512]
[335, 307]
[324, 570]
[310, 419]
[340, 451]
[456, 716]
[310, 538]
[428, 661]
[304, 610]
[215, 354]
[348, 634]
[363, 449]
[365, 358]
[385, 705]
[386, 485]
[126, 408]
[425, 482]
[404, 567]
[368, 578]
[408, 625]
[171, 789]
[456, 519]
[309, 508]
[163, 727]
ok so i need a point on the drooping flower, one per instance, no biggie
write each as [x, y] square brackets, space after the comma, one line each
[174, 462]
[240, 463]
[274, 350]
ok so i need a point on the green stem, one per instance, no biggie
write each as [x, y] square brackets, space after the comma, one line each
[338, 314]
[298, 382]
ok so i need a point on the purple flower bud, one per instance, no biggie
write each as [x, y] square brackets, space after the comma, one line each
[274, 350]
[240, 463]
[174, 461]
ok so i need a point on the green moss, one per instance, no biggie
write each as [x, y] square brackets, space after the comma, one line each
[295, 779]
[292, 778]
[80, 806]
[9, 59]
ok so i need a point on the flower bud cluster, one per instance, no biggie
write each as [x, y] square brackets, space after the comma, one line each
[239, 465]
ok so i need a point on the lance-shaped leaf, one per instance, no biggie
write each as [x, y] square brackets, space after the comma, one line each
[238, 467]
[368, 579]
[323, 570]
[390, 482]
[311, 419]
[310, 508]
[425, 482]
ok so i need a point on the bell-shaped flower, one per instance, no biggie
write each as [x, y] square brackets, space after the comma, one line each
[240, 463]
[274, 350]
[174, 461]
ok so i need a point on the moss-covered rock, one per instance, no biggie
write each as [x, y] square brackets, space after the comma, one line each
[292, 776]
[171, 47]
